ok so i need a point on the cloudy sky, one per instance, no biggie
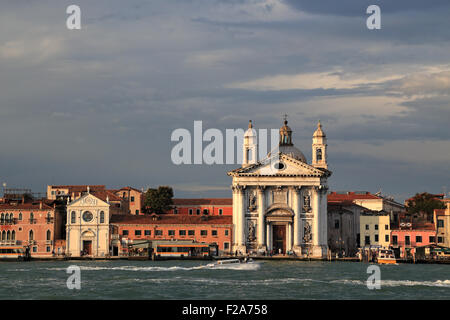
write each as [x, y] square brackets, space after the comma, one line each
[98, 105]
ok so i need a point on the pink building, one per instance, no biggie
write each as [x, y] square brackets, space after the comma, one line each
[411, 235]
[35, 225]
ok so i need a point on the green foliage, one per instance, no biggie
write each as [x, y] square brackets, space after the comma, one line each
[158, 200]
[424, 203]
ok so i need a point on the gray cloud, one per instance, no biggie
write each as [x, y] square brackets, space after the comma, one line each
[99, 105]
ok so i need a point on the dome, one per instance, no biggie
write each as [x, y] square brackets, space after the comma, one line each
[292, 152]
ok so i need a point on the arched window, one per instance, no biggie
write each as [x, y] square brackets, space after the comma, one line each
[318, 154]
[20, 216]
[102, 217]
[13, 235]
[31, 216]
[72, 217]
[49, 235]
[31, 235]
[2, 217]
[3, 235]
[8, 235]
[11, 216]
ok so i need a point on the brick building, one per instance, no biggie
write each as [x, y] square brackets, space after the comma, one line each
[209, 229]
[208, 206]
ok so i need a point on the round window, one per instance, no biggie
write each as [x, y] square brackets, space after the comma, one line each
[279, 165]
[87, 216]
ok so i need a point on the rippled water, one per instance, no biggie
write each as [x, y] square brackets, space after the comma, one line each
[195, 280]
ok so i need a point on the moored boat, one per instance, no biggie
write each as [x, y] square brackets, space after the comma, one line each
[385, 256]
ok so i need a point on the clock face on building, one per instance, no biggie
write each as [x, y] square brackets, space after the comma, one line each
[87, 216]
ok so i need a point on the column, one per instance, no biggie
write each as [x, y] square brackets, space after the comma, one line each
[316, 212]
[324, 216]
[289, 237]
[261, 224]
[269, 243]
[241, 217]
[234, 228]
[298, 205]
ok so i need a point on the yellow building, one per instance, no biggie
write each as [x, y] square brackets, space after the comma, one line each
[442, 223]
[375, 229]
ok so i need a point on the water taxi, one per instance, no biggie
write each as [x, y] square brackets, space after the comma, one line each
[385, 256]
[230, 262]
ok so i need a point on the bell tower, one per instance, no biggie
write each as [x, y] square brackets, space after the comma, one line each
[250, 147]
[319, 148]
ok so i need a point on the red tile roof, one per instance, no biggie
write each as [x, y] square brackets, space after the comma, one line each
[334, 196]
[103, 194]
[25, 206]
[127, 188]
[203, 202]
[79, 188]
[169, 219]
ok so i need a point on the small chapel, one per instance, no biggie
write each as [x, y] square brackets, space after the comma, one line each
[280, 201]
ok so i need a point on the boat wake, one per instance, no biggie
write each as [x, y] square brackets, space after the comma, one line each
[243, 266]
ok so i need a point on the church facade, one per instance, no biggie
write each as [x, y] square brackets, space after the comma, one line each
[87, 227]
[280, 202]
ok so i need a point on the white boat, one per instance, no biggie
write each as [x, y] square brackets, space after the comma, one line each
[230, 262]
[386, 257]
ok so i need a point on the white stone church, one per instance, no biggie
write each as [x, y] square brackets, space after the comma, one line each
[280, 202]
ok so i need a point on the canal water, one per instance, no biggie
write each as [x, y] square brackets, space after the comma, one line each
[195, 280]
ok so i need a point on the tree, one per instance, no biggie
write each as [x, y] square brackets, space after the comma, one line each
[158, 200]
[424, 204]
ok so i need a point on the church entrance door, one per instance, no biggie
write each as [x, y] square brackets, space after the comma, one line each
[87, 247]
[279, 238]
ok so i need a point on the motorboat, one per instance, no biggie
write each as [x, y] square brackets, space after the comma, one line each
[385, 256]
[227, 262]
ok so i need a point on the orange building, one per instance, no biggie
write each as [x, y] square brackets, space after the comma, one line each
[133, 199]
[73, 191]
[208, 206]
[35, 225]
[209, 229]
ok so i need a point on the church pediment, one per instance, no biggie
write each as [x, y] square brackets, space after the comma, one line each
[280, 165]
[88, 200]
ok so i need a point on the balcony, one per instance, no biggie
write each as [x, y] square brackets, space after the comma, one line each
[49, 220]
[32, 221]
[8, 221]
